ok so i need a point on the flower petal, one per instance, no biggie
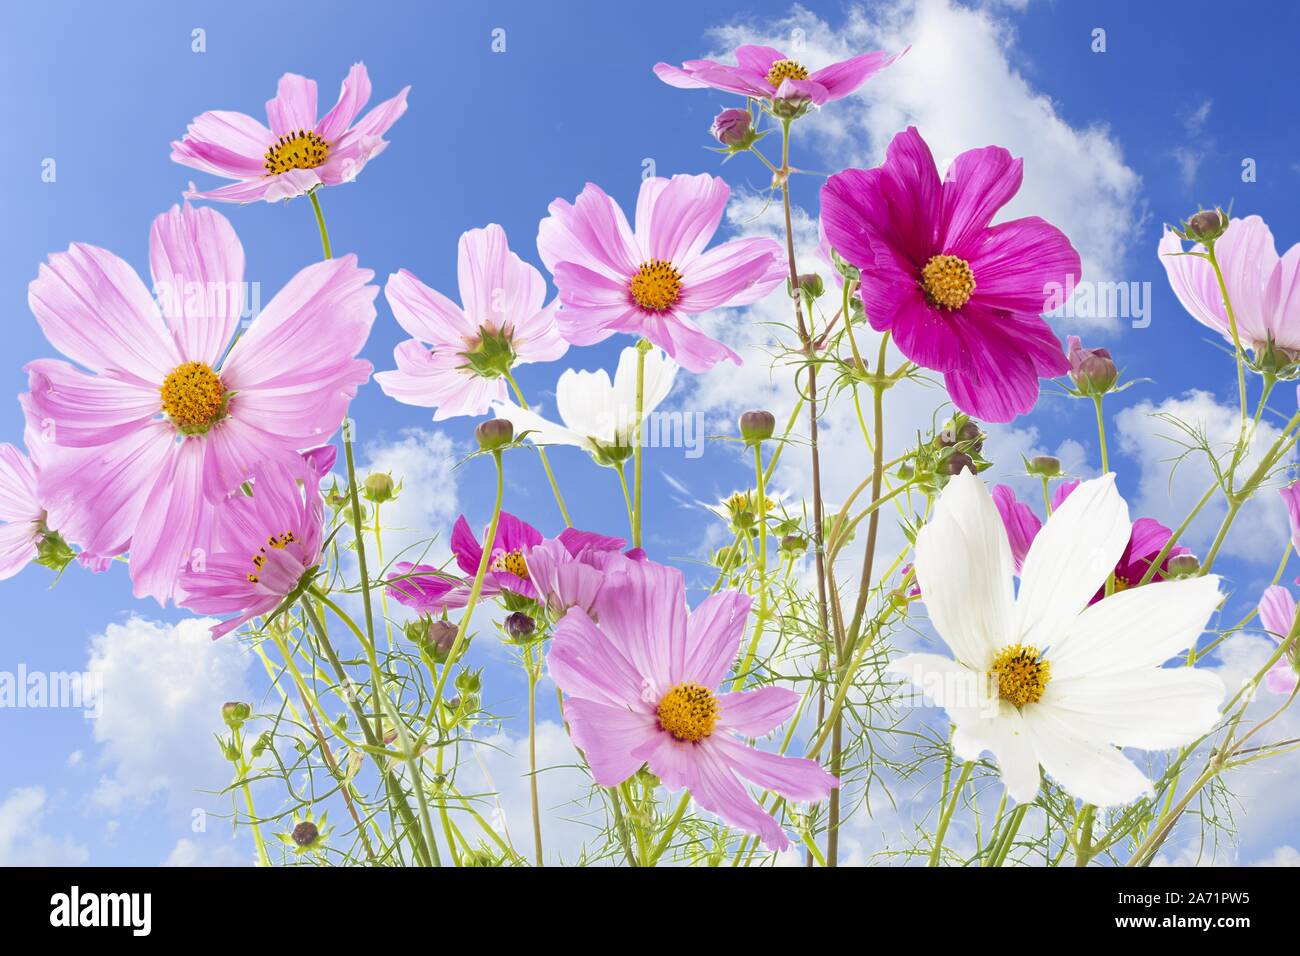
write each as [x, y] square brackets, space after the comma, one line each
[1151, 708]
[585, 663]
[1095, 773]
[753, 713]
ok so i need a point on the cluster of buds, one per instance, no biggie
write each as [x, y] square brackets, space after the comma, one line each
[957, 447]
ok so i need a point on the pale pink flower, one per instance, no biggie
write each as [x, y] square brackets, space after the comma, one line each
[21, 515]
[298, 152]
[457, 357]
[263, 545]
[642, 689]
[1264, 288]
[164, 416]
[1277, 613]
[651, 281]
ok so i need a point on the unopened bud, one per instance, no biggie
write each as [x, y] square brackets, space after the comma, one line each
[757, 426]
[469, 682]
[1183, 565]
[794, 544]
[1093, 371]
[1206, 226]
[811, 285]
[378, 488]
[1045, 466]
[305, 833]
[732, 128]
[494, 433]
[957, 462]
[234, 713]
[520, 626]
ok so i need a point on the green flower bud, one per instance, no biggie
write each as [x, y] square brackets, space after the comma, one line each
[378, 488]
[234, 713]
[494, 433]
[1045, 466]
[1183, 565]
[757, 426]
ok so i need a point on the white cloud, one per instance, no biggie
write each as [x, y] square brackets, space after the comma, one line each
[164, 685]
[1283, 856]
[189, 852]
[24, 842]
[1260, 532]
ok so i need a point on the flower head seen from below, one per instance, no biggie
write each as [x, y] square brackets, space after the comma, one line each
[572, 569]
[22, 518]
[651, 281]
[1147, 539]
[1041, 677]
[765, 73]
[298, 152]
[263, 547]
[1264, 289]
[641, 685]
[161, 416]
[959, 296]
[458, 357]
[598, 416]
[1277, 612]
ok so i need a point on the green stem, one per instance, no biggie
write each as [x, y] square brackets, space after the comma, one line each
[641, 348]
[1232, 325]
[532, 753]
[320, 224]
[748, 660]
[944, 820]
[1101, 434]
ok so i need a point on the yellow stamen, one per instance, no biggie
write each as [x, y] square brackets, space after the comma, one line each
[300, 150]
[656, 285]
[688, 712]
[512, 561]
[193, 396]
[948, 281]
[1021, 674]
[786, 70]
[277, 541]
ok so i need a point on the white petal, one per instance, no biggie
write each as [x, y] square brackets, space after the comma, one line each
[1006, 737]
[1070, 559]
[1095, 773]
[585, 402]
[1151, 708]
[660, 372]
[1140, 627]
[541, 431]
[963, 564]
[960, 691]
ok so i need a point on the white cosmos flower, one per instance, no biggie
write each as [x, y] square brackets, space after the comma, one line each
[598, 416]
[1042, 678]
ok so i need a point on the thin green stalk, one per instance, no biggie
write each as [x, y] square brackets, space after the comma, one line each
[642, 347]
[944, 820]
[533, 676]
[1101, 434]
[748, 659]
[320, 224]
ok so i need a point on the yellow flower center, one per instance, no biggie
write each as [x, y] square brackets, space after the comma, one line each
[300, 150]
[689, 712]
[1122, 584]
[948, 281]
[512, 561]
[193, 396]
[277, 541]
[656, 285]
[786, 70]
[1021, 674]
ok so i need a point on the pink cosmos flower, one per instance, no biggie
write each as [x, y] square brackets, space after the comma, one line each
[959, 296]
[21, 515]
[766, 73]
[457, 357]
[572, 569]
[1264, 288]
[1277, 610]
[164, 416]
[1145, 542]
[298, 152]
[262, 547]
[649, 282]
[642, 688]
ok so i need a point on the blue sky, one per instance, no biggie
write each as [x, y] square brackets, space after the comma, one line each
[1116, 142]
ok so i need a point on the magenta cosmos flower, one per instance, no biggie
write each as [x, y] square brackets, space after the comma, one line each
[1147, 539]
[1277, 609]
[766, 73]
[642, 688]
[649, 282]
[164, 416]
[298, 152]
[263, 546]
[960, 297]
[1264, 288]
[458, 356]
[572, 569]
